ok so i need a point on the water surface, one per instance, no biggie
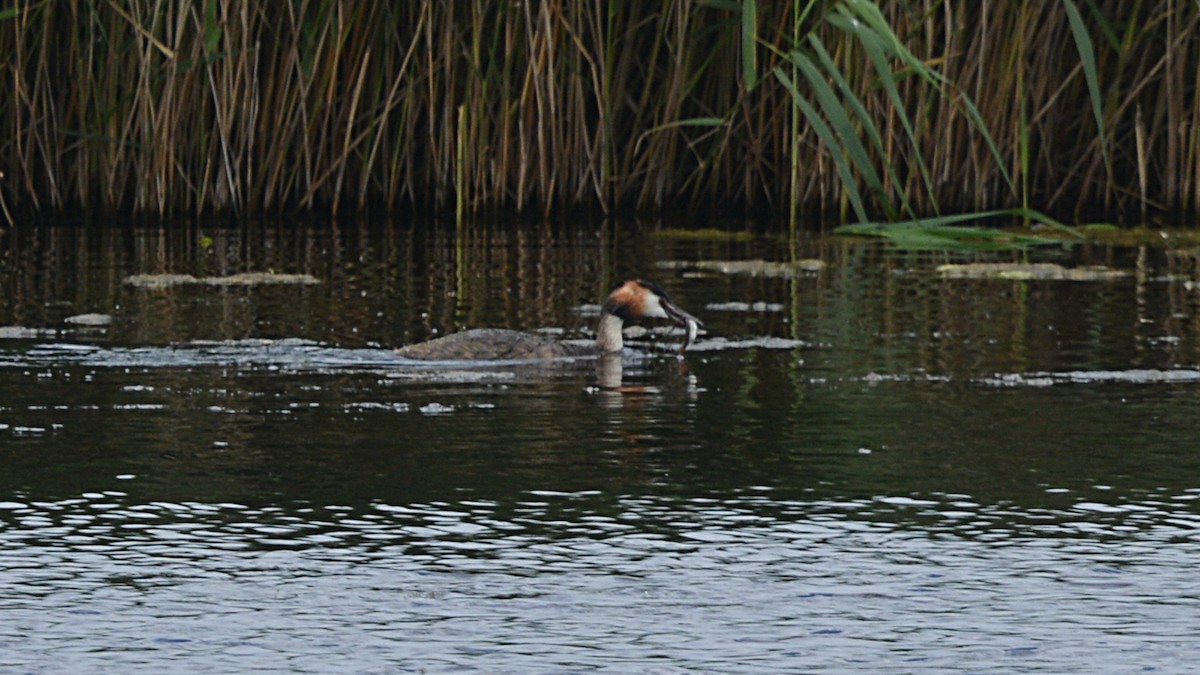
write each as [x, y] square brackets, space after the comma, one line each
[868, 467]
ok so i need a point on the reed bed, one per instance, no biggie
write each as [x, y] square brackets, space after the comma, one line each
[545, 106]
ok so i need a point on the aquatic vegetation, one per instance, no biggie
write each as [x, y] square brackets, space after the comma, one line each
[91, 320]
[702, 234]
[757, 268]
[1030, 271]
[759, 306]
[260, 279]
[862, 109]
[156, 281]
[24, 333]
[159, 281]
[944, 232]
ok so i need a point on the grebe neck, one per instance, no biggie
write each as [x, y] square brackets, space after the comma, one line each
[608, 333]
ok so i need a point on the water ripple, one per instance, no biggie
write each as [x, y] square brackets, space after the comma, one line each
[588, 580]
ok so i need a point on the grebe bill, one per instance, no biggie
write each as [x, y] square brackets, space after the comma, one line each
[632, 300]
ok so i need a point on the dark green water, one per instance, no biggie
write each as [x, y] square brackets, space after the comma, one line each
[873, 469]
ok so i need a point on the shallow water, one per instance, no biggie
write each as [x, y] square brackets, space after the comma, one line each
[861, 467]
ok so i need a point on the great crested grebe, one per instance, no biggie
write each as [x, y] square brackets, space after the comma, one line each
[632, 300]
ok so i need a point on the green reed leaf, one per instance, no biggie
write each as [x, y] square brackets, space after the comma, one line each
[1087, 55]
[750, 43]
[828, 138]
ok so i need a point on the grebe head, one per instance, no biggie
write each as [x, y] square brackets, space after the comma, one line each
[635, 300]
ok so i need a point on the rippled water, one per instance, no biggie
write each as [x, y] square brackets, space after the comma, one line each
[586, 580]
[863, 468]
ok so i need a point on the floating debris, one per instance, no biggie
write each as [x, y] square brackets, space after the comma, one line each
[24, 333]
[92, 320]
[156, 281]
[704, 234]
[755, 268]
[28, 431]
[436, 408]
[370, 405]
[744, 307]
[766, 342]
[159, 281]
[1135, 376]
[261, 278]
[1030, 271]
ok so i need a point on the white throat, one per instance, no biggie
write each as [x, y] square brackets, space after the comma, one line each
[608, 333]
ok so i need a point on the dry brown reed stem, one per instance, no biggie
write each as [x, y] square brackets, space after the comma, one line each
[259, 107]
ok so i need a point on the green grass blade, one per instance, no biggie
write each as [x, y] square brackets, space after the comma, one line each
[861, 11]
[1087, 55]
[941, 233]
[827, 137]
[869, 14]
[750, 43]
[1024, 213]
[865, 122]
[212, 28]
[875, 47]
[835, 112]
[1106, 26]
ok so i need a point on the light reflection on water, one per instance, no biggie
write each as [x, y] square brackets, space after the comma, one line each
[883, 472]
[561, 581]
